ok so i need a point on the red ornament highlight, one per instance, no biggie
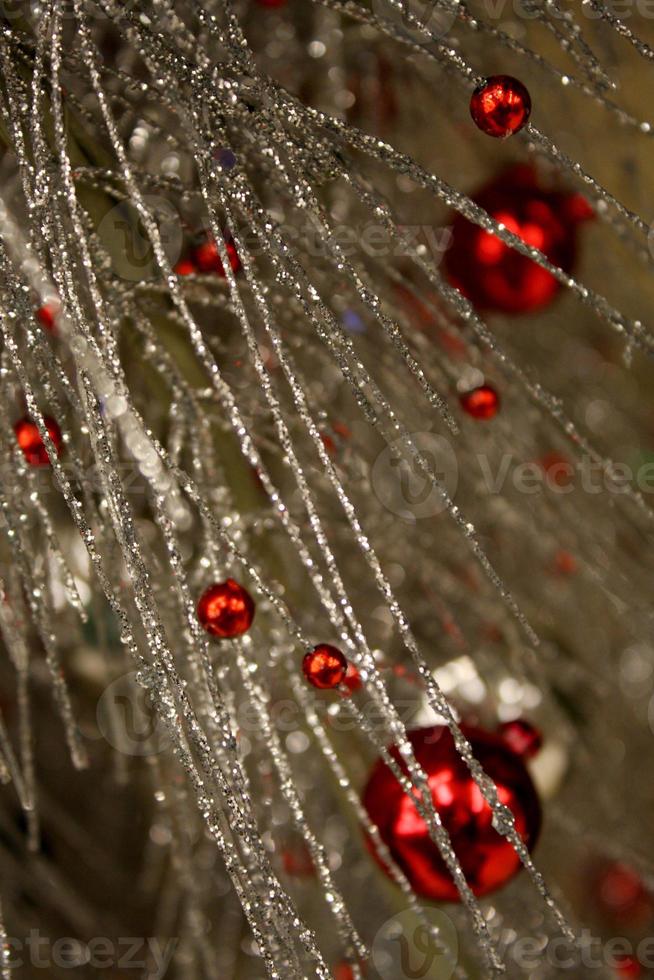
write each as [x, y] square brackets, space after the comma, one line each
[30, 441]
[324, 667]
[522, 737]
[494, 276]
[207, 258]
[185, 268]
[226, 609]
[481, 403]
[487, 859]
[501, 106]
[47, 316]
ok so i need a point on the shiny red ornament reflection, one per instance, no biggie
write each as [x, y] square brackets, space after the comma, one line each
[207, 258]
[522, 737]
[30, 441]
[481, 403]
[226, 609]
[487, 859]
[491, 274]
[325, 666]
[500, 106]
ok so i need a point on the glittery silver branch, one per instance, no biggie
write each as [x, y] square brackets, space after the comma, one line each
[249, 424]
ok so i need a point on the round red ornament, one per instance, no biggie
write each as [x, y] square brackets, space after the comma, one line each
[226, 609]
[494, 276]
[47, 316]
[325, 666]
[207, 257]
[30, 441]
[185, 268]
[481, 403]
[522, 737]
[271, 3]
[487, 859]
[500, 106]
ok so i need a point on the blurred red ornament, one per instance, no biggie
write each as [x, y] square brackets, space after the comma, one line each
[325, 666]
[207, 257]
[565, 563]
[492, 275]
[47, 316]
[352, 679]
[271, 3]
[628, 968]
[298, 862]
[522, 737]
[487, 859]
[345, 972]
[481, 403]
[622, 894]
[185, 268]
[30, 441]
[500, 106]
[558, 469]
[226, 609]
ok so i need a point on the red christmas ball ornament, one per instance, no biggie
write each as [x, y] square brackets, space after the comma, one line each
[325, 666]
[494, 276]
[207, 257]
[352, 679]
[47, 316]
[226, 609]
[628, 968]
[500, 106]
[622, 895]
[487, 859]
[481, 403]
[30, 441]
[271, 4]
[522, 737]
[185, 268]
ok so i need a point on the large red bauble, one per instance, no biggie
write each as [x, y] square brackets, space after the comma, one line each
[500, 106]
[226, 609]
[494, 276]
[488, 860]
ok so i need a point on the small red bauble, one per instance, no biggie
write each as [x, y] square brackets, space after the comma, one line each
[325, 666]
[271, 3]
[207, 257]
[226, 609]
[487, 859]
[522, 737]
[47, 316]
[352, 679]
[30, 441]
[481, 403]
[500, 106]
[492, 275]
